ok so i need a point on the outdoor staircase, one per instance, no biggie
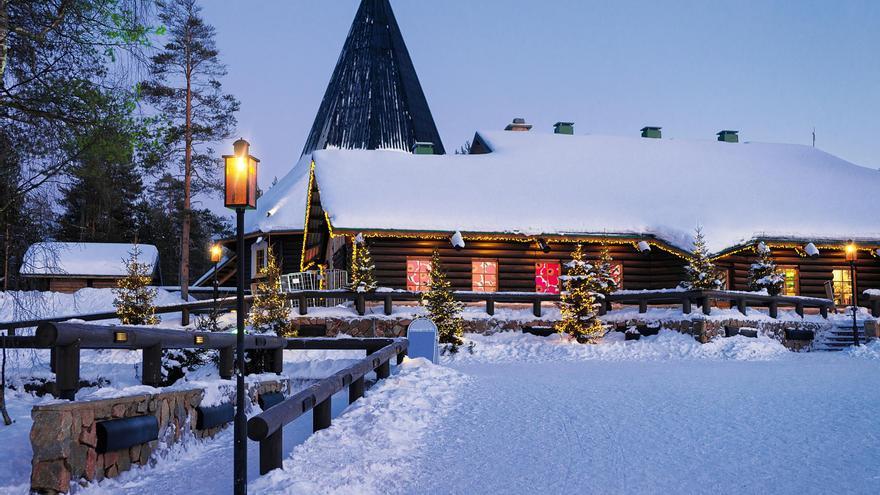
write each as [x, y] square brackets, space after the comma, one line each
[839, 337]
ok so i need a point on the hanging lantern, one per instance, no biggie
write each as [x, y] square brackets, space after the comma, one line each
[852, 252]
[241, 177]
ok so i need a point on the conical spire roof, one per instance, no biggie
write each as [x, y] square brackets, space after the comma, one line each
[374, 99]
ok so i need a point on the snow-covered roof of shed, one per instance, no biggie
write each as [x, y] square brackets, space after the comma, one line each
[536, 183]
[282, 206]
[94, 259]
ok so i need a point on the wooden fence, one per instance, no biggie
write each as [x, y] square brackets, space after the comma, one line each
[267, 427]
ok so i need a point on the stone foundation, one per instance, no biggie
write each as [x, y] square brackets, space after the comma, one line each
[64, 435]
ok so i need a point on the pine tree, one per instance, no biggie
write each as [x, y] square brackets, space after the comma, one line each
[580, 299]
[134, 296]
[363, 277]
[763, 273]
[269, 312]
[186, 91]
[604, 269]
[443, 309]
[701, 271]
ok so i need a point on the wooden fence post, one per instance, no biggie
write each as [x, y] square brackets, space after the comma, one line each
[277, 360]
[360, 303]
[184, 317]
[303, 305]
[67, 371]
[227, 360]
[152, 366]
[389, 306]
[774, 309]
[643, 305]
[356, 390]
[741, 304]
[321, 415]
[490, 306]
[270, 451]
[536, 308]
[707, 305]
[686, 305]
[799, 309]
[824, 311]
[384, 370]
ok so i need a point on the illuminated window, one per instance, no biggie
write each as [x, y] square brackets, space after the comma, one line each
[258, 257]
[617, 273]
[417, 273]
[790, 284]
[484, 275]
[547, 276]
[841, 281]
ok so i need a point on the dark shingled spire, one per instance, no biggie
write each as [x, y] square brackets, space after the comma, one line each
[374, 99]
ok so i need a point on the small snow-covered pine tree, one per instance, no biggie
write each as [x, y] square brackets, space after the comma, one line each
[133, 295]
[763, 274]
[363, 277]
[269, 312]
[443, 309]
[605, 281]
[701, 271]
[580, 299]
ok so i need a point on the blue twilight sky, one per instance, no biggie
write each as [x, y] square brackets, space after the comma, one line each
[772, 70]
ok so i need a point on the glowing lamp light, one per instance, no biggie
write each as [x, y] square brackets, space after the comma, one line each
[852, 252]
[216, 253]
[199, 339]
[241, 177]
[120, 337]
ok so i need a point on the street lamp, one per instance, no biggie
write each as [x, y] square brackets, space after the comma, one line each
[241, 195]
[852, 254]
[216, 255]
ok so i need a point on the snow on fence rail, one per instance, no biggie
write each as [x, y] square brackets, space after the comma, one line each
[267, 427]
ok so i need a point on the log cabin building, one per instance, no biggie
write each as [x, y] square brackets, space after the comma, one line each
[506, 216]
[70, 266]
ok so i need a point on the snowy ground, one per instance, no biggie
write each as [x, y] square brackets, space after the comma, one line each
[525, 414]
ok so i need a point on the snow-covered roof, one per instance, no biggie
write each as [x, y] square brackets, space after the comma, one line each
[94, 259]
[282, 206]
[535, 183]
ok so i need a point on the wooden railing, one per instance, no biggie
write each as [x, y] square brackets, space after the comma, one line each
[224, 303]
[703, 298]
[267, 427]
[66, 340]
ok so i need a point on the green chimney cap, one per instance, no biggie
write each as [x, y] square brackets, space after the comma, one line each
[564, 128]
[422, 148]
[728, 136]
[651, 132]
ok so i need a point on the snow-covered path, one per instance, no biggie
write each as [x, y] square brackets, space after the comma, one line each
[797, 425]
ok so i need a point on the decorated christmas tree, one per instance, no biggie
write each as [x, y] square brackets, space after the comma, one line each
[580, 299]
[763, 274]
[269, 312]
[606, 283]
[443, 310]
[701, 271]
[363, 278]
[134, 296]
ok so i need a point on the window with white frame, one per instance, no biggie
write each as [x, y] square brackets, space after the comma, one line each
[259, 256]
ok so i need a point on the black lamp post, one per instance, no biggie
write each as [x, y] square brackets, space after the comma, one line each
[241, 195]
[852, 254]
[216, 255]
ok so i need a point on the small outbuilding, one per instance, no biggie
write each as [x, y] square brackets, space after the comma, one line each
[70, 266]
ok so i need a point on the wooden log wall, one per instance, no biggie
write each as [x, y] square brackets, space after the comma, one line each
[287, 249]
[812, 272]
[516, 262]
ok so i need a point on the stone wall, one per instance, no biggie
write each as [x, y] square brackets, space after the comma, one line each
[64, 439]
[703, 330]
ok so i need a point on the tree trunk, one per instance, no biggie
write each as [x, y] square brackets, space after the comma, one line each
[6, 257]
[4, 35]
[6, 419]
[187, 187]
